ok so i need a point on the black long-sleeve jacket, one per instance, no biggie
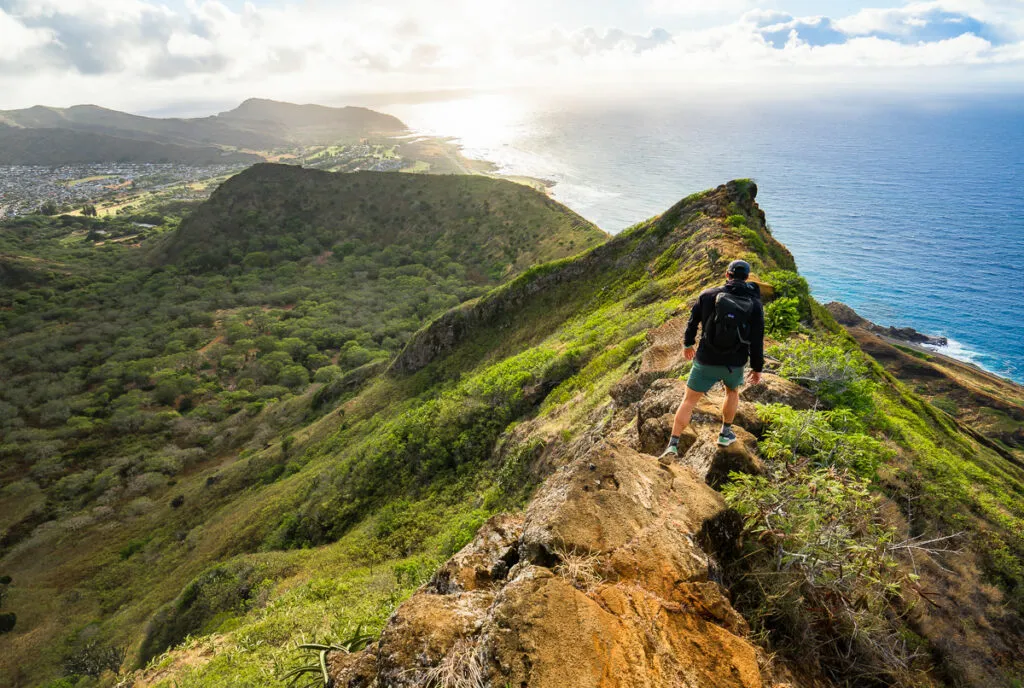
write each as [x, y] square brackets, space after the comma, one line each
[701, 314]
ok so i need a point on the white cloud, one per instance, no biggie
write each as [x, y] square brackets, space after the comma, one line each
[699, 7]
[17, 38]
[140, 54]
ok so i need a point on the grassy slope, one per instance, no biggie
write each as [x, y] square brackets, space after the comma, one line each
[107, 565]
[68, 147]
[992, 406]
[399, 476]
[528, 373]
[593, 311]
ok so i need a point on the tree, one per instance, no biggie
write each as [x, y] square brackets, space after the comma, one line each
[89, 210]
[49, 208]
[93, 659]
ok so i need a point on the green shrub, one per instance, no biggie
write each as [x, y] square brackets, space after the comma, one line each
[224, 588]
[836, 373]
[817, 572]
[93, 658]
[823, 438]
[131, 548]
[781, 317]
[754, 240]
[327, 373]
[789, 285]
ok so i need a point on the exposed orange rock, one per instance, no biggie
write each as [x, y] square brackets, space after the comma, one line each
[639, 611]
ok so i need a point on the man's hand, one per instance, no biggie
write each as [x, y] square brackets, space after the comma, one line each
[753, 377]
[689, 353]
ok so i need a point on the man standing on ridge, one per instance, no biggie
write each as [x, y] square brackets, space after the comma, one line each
[732, 323]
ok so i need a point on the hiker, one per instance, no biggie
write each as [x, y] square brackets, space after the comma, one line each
[733, 329]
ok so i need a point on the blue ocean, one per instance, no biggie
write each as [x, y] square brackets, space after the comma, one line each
[910, 211]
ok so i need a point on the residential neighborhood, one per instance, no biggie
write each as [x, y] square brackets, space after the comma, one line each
[26, 189]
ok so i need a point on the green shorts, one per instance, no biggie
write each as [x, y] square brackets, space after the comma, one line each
[703, 377]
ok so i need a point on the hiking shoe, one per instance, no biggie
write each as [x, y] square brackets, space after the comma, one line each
[670, 455]
[726, 437]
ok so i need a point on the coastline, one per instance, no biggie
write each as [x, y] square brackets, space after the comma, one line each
[446, 155]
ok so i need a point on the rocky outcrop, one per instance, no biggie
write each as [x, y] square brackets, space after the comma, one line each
[600, 583]
[847, 317]
[697, 447]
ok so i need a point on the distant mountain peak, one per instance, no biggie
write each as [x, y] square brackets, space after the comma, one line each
[256, 124]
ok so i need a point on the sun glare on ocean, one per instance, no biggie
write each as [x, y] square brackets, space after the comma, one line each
[480, 122]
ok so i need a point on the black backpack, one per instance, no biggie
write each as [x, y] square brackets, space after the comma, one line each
[728, 329]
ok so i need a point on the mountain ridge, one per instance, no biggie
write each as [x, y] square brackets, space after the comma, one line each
[495, 472]
[255, 125]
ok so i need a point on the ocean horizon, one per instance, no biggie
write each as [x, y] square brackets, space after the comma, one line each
[910, 212]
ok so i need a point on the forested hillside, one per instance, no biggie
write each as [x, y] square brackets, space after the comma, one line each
[129, 375]
[273, 424]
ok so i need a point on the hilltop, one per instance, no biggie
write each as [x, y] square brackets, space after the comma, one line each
[491, 227]
[470, 480]
[309, 124]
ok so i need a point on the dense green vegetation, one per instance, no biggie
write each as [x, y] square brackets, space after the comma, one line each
[254, 432]
[133, 370]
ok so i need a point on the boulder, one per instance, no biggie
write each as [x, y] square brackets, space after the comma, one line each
[714, 463]
[663, 558]
[424, 630]
[709, 412]
[656, 432]
[600, 503]
[357, 670]
[663, 396]
[657, 408]
[547, 634]
[484, 561]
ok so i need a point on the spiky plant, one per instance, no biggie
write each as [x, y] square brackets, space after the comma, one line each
[314, 674]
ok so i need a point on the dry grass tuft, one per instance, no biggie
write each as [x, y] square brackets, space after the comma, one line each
[582, 570]
[462, 667]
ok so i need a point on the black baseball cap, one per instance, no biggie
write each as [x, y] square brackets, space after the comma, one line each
[739, 269]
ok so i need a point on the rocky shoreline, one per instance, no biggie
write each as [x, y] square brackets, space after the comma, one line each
[848, 317]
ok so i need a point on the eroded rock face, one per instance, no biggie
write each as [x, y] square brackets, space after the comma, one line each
[547, 633]
[662, 358]
[714, 463]
[424, 630]
[610, 590]
[484, 561]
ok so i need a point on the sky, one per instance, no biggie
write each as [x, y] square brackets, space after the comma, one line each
[186, 55]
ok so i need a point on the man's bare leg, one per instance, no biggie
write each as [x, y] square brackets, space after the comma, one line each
[685, 411]
[681, 422]
[732, 401]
